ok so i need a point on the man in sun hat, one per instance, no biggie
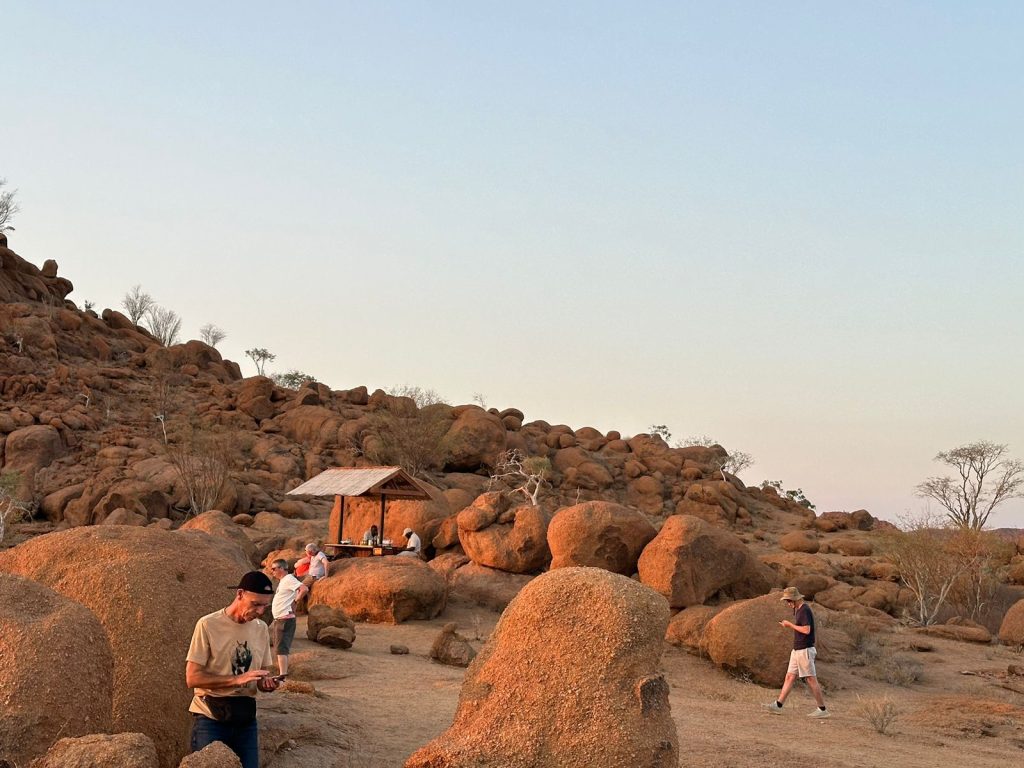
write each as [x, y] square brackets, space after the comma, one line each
[413, 545]
[801, 659]
[227, 662]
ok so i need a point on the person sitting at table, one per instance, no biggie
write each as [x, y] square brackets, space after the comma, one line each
[372, 536]
[412, 544]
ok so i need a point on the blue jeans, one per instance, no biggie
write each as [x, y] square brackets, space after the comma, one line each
[242, 739]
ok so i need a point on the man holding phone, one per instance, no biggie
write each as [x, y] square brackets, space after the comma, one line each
[282, 631]
[226, 664]
[801, 659]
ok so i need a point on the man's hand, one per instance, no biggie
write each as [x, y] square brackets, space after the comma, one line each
[253, 675]
[786, 624]
[267, 684]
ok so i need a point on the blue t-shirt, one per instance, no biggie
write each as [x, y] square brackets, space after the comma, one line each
[803, 618]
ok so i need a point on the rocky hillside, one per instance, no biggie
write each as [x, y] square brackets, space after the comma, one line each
[82, 396]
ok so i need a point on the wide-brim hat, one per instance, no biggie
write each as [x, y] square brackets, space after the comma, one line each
[791, 593]
[407, 531]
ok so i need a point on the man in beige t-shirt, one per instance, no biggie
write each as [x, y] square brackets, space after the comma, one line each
[227, 662]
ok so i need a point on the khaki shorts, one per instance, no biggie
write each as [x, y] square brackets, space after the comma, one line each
[801, 663]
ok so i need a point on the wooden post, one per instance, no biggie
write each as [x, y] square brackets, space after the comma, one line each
[336, 523]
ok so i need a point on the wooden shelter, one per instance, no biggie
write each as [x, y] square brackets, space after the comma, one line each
[345, 482]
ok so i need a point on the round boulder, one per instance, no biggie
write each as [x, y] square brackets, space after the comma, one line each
[451, 648]
[499, 535]
[386, 590]
[321, 617]
[746, 637]
[599, 534]
[799, 541]
[219, 524]
[56, 670]
[568, 678]
[690, 561]
[487, 587]
[148, 588]
[477, 439]
[98, 750]
[1011, 631]
[686, 630]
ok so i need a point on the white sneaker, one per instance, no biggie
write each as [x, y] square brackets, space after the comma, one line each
[820, 714]
[774, 708]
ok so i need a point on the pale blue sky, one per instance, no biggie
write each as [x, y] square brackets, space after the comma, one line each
[796, 227]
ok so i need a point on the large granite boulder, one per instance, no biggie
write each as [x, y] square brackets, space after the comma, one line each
[498, 534]
[568, 678]
[692, 562]
[147, 587]
[599, 534]
[99, 750]
[746, 638]
[56, 670]
[386, 590]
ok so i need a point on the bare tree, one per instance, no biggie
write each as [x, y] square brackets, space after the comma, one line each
[260, 357]
[203, 461]
[8, 207]
[933, 560]
[526, 474]
[12, 510]
[422, 397]
[414, 441]
[212, 334]
[986, 478]
[137, 303]
[164, 324]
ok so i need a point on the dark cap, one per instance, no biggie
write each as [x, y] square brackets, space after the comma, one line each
[256, 581]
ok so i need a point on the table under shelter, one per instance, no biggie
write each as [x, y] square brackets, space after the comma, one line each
[344, 483]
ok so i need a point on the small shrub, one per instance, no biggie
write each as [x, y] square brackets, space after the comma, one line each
[881, 713]
[901, 670]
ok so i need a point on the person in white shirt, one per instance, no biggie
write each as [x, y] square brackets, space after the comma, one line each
[371, 536]
[412, 544]
[282, 631]
[318, 565]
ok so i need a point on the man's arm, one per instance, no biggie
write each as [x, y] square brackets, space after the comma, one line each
[196, 676]
[803, 630]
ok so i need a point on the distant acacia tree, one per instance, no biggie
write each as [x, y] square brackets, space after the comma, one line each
[260, 357]
[164, 323]
[986, 477]
[137, 303]
[212, 334]
[661, 431]
[732, 462]
[8, 207]
[794, 494]
[293, 379]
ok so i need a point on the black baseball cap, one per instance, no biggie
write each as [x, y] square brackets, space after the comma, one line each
[256, 581]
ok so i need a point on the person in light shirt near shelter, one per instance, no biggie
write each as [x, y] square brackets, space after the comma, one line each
[413, 545]
[282, 631]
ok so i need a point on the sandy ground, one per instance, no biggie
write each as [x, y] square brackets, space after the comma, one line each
[379, 707]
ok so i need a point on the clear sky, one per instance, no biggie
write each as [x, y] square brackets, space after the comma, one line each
[794, 227]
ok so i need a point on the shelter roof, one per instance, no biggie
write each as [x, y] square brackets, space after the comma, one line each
[393, 482]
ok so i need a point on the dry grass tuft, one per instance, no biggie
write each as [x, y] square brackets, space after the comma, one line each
[880, 712]
[900, 670]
